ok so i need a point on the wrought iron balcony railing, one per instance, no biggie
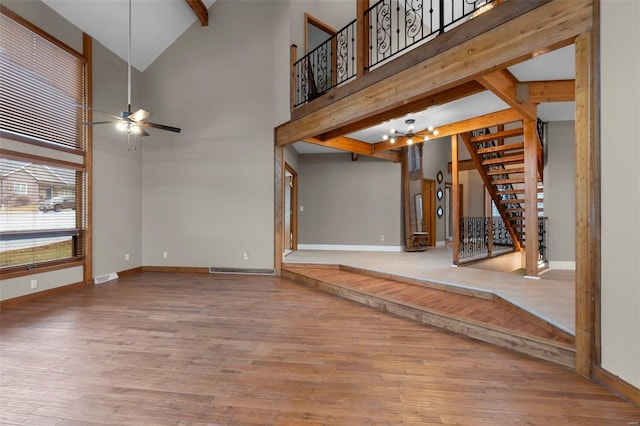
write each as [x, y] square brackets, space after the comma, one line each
[390, 27]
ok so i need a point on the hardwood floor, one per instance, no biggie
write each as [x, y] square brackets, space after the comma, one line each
[191, 349]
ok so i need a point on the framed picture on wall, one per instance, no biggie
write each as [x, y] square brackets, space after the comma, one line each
[439, 177]
[439, 193]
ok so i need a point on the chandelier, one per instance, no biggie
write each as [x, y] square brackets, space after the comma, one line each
[410, 133]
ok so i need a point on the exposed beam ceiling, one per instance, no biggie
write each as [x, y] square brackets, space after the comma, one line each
[200, 10]
[355, 146]
[503, 84]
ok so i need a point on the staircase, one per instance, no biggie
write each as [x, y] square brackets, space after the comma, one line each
[501, 165]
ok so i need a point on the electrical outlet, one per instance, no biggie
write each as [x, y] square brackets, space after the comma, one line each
[34, 284]
[382, 237]
[245, 255]
[301, 208]
[164, 254]
[126, 256]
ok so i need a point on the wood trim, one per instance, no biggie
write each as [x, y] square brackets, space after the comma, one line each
[294, 202]
[278, 207]
[55, 147]
[177, 269]
[467, 89]
[587, 208]
[200, 10]
[463, 165]
[309, 19]
[45, 293]
[617, 385]
[431, 185]
[355, 146]
[503, 84]
[130, 272]
[455, 214]
[87, 50]
[21, 271]
[537, 92]
[531, 197]
[476, 27]
[21, 156]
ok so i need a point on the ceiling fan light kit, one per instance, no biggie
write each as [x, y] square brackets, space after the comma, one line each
[129, 122]
[410, 134]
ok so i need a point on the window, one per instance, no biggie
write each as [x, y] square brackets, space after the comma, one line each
[20, 188]
[42, 198]
[41, 86]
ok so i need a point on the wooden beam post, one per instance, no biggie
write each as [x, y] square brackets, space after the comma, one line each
[293, 55]
[587, 206]
[200, 10]
[362, 39]
[408, 242]
[87, 51]
[455, 214]
[278, 205]
[531, 197]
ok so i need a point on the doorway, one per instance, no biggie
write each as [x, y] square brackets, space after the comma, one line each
[429, 210]
[322, 61]
[290, 192]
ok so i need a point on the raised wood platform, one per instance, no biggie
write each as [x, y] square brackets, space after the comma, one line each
[477, 314]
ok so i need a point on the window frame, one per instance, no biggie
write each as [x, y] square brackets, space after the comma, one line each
[83, 166]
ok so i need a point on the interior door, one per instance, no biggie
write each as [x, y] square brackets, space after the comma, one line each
[429, 210]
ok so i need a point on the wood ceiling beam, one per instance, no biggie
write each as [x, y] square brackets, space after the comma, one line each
[536, 92]
[466, 89]
[481, 122]
[355, 147]
[503, 84]
[200, 10]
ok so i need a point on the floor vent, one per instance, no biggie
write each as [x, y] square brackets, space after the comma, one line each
[104, 278]
[244, 271]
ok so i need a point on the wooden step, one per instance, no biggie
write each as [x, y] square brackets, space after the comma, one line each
[507, 181]
[515, 191]
[512, 201]
[498, 135]
[521, 210]
[505, 159]
[484, 317]
[506, 171]
[501, 148]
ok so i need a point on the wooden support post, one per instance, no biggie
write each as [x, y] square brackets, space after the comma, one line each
[531, 198]
[293, 53]
[87, 51]
[490, 237]
[587, 206]
[362, 39]
[408, 241]
[455, 213]
[278, 205]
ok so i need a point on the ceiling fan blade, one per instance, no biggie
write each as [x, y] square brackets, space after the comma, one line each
[95, 110]
[93, 123]
[139, 115]
[159, 126]
[143, 133]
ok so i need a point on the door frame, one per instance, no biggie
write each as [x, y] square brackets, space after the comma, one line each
[293, 205]
[429, 193]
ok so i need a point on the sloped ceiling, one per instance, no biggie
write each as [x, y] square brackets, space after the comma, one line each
[155, 24]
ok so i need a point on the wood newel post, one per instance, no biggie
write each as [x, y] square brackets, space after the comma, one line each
[455, 213]
[531, 197]
[490, 236]
[362, 40]
[293, 52]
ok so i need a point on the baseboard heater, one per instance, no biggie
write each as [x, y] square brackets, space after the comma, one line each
[243, 271]
[105, 278]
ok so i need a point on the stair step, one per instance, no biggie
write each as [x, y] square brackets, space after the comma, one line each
[521, 210]
[517, 158]
[501, 148]
[498, 135]
[506, 181]
[515, 191]
[512, 201]
[507, 171]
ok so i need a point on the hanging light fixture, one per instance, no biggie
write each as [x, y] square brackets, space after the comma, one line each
[410, 133]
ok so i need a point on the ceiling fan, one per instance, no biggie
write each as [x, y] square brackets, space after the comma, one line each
[128, 122]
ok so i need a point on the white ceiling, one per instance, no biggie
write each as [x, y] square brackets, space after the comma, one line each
[155, 24]
[556, 65]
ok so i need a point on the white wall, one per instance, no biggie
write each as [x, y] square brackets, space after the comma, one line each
[208, 192]
[349, 202]
[620, 189]
[559, 194]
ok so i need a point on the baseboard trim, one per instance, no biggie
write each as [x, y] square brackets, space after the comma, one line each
[341, 247]
[179, 269]
[29, 297]
[617, 385]
[129, 272]
[562, 265]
